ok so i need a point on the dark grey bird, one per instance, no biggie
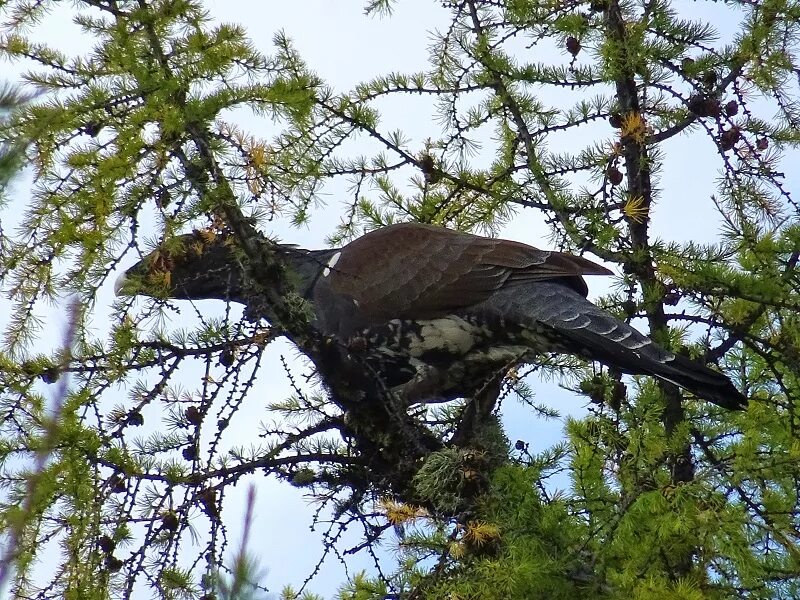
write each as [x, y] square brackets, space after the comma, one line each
[438, 314]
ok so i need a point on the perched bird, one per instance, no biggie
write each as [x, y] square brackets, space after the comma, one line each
[436, 313]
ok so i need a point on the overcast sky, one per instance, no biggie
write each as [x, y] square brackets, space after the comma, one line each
[344, 47]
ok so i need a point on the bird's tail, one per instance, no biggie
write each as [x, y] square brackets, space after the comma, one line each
[561, 320]
[700, 380]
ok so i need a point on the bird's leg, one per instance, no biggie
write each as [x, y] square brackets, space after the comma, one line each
[477, 410]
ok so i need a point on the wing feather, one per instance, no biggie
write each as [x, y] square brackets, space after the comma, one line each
[422, 271]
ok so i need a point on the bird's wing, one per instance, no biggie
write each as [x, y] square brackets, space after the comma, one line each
[419, 271]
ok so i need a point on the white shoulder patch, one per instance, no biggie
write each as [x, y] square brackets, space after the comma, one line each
[331, 263]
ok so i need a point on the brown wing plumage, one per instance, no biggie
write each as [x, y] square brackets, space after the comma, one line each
[425, 271]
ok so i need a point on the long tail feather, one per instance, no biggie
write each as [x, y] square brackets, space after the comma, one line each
[565, 318]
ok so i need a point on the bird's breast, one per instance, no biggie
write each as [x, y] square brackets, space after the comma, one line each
[453, 337]
[447, 336]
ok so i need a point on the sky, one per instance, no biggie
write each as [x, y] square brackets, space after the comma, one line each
[346, 47]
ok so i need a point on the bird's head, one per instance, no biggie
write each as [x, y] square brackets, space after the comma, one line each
[196, 266]
[206, 265]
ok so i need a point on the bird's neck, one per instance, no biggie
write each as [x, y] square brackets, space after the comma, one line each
[307, 266]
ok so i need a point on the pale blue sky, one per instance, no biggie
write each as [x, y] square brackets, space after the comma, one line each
[346, 47]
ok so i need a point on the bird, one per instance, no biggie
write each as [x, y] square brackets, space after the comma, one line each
[437, 313]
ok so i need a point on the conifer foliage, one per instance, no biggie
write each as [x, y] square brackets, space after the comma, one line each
[117, 460]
